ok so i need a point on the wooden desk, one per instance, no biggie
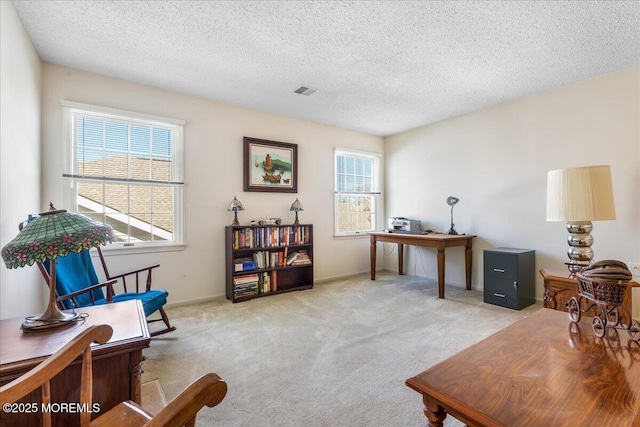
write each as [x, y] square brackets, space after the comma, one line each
[434, 240]
[117, 365]
[560, 286]
[537, 372]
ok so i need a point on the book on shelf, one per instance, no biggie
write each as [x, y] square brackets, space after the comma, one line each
[244, 279]
[301, 258]
[264, 283]
[258, 257]
[246, 265]
[245, 287]
[248, 293]
[292, 257]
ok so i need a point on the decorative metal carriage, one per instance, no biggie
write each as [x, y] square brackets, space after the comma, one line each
[601, 288]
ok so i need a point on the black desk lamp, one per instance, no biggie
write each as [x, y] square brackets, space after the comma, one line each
[451, 201]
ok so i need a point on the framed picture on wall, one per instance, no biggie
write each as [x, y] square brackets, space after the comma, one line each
[270, 166]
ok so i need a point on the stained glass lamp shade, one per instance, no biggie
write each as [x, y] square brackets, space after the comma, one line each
[296, 207]
[53, 234]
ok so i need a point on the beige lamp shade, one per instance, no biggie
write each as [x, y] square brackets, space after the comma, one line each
[580, 194]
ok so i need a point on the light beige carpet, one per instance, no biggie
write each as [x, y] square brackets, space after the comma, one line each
[153, 396]
[335, 355]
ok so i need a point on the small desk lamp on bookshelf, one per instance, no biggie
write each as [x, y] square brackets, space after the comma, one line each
[296, 207]
[235, 206]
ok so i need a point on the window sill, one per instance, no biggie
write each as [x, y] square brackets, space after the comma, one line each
[115, 250]
[363, 235]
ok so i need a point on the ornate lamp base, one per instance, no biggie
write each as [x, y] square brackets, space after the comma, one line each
[580, 253]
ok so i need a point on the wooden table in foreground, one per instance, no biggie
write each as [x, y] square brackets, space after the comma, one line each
[433, 240]
[117, 365]
[540, 371]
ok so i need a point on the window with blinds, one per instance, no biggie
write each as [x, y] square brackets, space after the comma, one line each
[125, 169]
[357, 183]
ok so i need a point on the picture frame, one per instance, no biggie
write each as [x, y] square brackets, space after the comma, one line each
[270, 166]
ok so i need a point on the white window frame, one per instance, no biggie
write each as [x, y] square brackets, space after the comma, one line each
[70, 112]
[375, 191]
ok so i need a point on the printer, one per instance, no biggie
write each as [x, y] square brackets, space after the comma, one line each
[400, 223]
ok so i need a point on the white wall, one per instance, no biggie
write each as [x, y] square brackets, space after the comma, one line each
[496, 161]
[21, 290]
[213, 164]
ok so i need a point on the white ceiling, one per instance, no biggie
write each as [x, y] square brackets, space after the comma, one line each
[380, 67]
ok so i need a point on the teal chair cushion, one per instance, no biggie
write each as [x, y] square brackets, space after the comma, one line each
[151, 300]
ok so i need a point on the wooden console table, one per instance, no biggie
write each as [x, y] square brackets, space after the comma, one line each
[560, 286]
[540, 371]
[117, 365]
[433, 240]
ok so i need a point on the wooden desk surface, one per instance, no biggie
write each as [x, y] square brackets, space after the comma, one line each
[538, 372]
[17, 348]
[431, 239]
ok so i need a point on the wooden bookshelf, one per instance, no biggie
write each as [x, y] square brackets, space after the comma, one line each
[261, 260]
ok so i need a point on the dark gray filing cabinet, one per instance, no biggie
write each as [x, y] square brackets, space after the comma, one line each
[509, 277]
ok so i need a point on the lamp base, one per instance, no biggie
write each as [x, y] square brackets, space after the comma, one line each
[40, 323]
[580, 241]
[452, 230]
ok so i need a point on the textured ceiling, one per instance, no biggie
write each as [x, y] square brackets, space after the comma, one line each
[379, 67]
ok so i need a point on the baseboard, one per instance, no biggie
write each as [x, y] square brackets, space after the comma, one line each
[223, 297]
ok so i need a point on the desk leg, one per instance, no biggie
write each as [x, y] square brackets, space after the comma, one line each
[440, 273]
[372, 251]
[467, 262]
[434, 413]
[136, 376]
[400, 258]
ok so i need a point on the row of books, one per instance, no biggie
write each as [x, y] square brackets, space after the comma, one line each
[255, 283]
[270, 259]
[266, 237]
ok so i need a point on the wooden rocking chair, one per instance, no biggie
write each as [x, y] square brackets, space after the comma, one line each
[77, 285]
[207, 390]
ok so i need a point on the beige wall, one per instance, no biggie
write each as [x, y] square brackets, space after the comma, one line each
[496, 161]
[213, 176]
[21, 290]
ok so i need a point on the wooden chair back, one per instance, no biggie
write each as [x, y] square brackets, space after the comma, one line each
[41, 375]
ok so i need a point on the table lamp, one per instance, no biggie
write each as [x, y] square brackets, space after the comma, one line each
[53, 234]
[235, 206]
[452, 201]
[296, 207]
[580, 195]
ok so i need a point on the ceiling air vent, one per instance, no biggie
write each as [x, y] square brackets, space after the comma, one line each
[304, 90]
